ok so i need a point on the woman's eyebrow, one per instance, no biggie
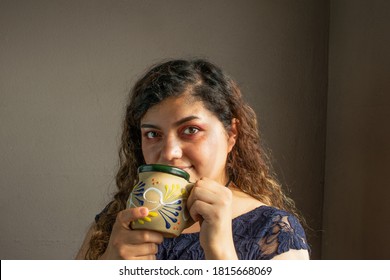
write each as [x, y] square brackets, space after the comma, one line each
[178, 123]
[186, 119]
[146, 125]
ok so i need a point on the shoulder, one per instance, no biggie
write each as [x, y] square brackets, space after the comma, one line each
[266, 216]
[283, 221]
[275, 232]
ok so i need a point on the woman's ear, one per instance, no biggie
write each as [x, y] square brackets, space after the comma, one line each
[232, 134]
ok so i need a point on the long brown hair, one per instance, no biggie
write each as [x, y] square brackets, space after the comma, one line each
[247, 164]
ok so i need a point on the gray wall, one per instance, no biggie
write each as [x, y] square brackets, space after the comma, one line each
[66, 67]
[357, 193]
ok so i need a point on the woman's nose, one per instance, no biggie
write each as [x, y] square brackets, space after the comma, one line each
[171, 149]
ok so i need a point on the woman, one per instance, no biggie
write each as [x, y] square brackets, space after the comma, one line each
[189, 114]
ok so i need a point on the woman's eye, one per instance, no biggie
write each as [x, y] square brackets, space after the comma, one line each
[190, 130]
[151, 134]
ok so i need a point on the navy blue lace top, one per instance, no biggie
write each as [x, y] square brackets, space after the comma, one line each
[260, 234]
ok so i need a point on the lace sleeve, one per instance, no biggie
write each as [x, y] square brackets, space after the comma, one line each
[283, 233]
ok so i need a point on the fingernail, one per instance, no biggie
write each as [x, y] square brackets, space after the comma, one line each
[144, 211]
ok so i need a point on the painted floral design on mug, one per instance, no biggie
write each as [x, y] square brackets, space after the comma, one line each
[168, 205]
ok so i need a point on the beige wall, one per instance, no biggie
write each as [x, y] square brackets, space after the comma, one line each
[65, 69]
[357, 193]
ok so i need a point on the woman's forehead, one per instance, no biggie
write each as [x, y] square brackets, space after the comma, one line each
[174, 109]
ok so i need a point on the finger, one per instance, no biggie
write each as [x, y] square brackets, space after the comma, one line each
[139, 236]
[222, 193]
[147, 249]
[138, 250]
[201, 210]
[203, 194]
[209, 191]
[211, 185]
[125, 217]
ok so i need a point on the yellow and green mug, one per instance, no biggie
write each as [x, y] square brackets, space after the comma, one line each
[164, 190]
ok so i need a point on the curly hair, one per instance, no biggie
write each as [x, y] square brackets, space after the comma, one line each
[248, 165]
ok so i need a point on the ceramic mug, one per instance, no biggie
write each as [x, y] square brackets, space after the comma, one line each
[164, 191]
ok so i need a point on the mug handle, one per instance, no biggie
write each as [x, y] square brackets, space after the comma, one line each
[189, 220]
[189, 187]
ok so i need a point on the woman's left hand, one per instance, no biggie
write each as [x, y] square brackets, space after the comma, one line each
[210, 203]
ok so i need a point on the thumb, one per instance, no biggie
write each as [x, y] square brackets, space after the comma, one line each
[129, 215]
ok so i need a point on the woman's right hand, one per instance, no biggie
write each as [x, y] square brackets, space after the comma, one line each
[129, 244]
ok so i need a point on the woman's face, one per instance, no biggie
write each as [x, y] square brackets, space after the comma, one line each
[181, 132]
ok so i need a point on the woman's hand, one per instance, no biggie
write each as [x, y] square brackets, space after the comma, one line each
[126, 243]
[210, 203]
